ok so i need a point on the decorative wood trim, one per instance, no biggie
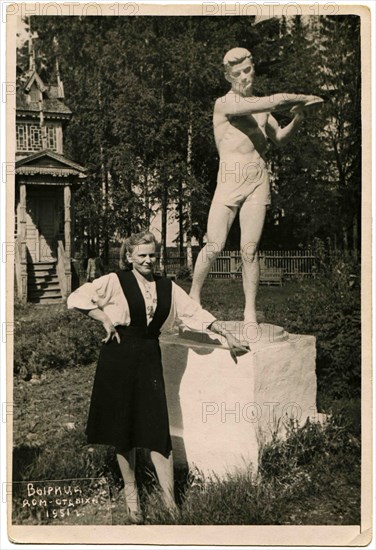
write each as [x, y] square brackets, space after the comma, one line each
[67, 237]
[53, 171]
[22, 220]
[49, 182]
[46, 153]
[23, 252]
[47, 115]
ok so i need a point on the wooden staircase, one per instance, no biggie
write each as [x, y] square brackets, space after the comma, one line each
[43, 283]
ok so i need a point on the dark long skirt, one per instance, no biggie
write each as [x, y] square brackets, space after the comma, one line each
[128, 405]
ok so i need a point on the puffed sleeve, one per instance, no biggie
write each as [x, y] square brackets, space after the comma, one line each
[92, 295]
[189, 312]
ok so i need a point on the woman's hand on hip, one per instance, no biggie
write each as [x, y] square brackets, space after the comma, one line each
[108, 326]
[111, 332]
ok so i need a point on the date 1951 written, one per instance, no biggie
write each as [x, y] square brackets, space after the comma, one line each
[60, 513]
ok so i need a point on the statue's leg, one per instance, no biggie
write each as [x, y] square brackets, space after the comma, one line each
[252, 216]
[219, 223]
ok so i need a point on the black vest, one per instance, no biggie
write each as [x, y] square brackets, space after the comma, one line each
[138, 326]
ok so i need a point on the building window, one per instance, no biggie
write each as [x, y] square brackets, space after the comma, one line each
[34, 94]
[29, 137]
[21, 137]
[51, 138]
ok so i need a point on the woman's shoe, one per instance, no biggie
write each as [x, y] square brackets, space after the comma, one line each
[174, 512]
[135, 516]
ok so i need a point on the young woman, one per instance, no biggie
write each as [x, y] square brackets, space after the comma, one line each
[128, 406]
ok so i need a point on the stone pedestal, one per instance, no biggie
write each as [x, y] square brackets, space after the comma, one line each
[221, 412]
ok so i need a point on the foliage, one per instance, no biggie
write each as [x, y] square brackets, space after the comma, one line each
[184, 274]
[62, 340]
[142, 91]
[329, 307]
[316, 178]
[309, 464]
[310, 445]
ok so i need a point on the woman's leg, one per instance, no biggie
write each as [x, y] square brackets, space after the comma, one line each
[127, 464]
[165, 472]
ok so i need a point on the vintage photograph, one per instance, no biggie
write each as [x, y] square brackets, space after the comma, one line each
[188, 218]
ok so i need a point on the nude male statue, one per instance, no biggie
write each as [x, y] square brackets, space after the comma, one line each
[242, 124]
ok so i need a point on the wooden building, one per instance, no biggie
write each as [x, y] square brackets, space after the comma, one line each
[45, 185]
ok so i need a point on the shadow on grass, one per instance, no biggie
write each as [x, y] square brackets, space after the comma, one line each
[24, 458]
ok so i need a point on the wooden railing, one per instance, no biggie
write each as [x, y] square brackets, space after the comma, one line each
[63, 269]
[17, 266]
[20, 268]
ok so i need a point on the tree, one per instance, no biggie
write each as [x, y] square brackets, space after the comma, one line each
[142, 91]
[316, 178]
[341, 76]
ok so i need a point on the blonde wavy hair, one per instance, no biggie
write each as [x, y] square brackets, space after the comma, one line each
[144, 237]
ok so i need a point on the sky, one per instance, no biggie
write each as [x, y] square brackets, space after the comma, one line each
[21, 30]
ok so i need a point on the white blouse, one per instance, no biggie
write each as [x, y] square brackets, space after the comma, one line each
[106, 293]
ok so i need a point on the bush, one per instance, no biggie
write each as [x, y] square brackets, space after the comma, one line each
[304, 479]
[184, 274]
[329, 308]
[308, 447]
[59, 340]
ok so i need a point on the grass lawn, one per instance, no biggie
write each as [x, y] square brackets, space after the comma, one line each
[225, 299]
[313, 478]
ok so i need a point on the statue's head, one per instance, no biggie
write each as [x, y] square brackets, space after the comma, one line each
[239, 70]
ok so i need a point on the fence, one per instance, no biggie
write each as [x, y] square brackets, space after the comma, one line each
[292, 262]
[228, 265]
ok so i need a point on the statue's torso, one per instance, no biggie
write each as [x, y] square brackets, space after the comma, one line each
[241, 137]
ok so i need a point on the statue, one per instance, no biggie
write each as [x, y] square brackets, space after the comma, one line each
[242, 124]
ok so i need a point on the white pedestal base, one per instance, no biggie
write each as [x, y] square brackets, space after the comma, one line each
[221, 412]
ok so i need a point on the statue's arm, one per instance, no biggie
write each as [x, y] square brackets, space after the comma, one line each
[281, 136]
[235, 105]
